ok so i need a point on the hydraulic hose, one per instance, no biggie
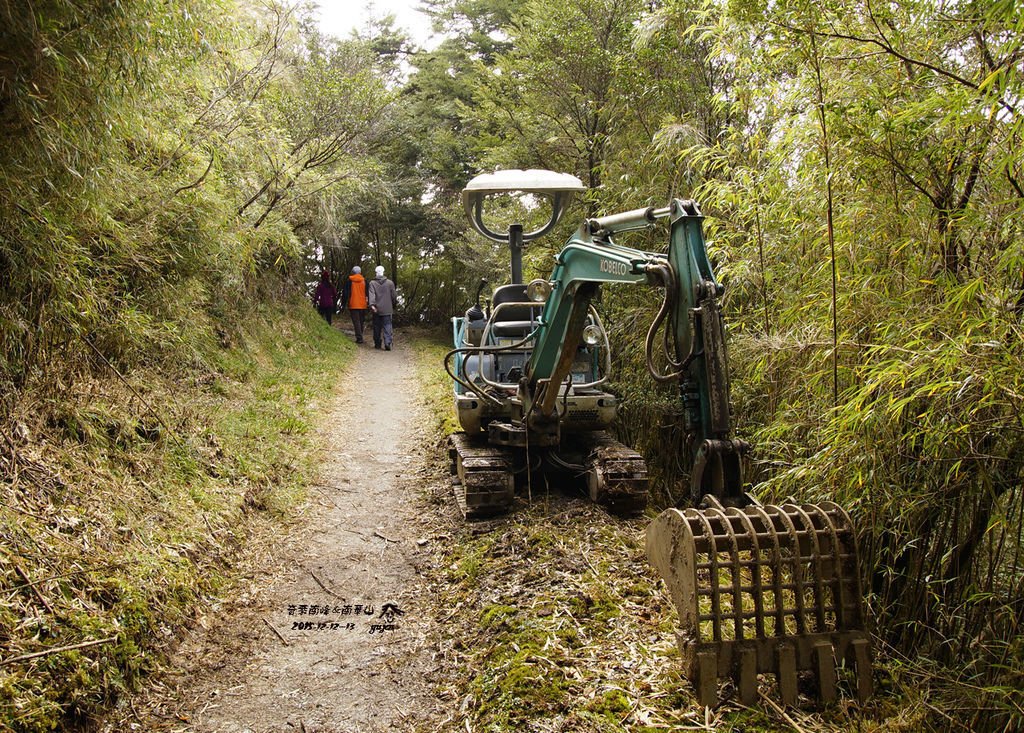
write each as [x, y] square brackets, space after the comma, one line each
[668, 305]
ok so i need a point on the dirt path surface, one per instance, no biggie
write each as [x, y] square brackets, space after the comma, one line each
[335, 639]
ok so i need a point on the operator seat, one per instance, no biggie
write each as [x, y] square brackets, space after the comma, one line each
[513, 321]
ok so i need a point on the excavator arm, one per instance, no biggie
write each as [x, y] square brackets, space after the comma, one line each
[579, 268]
[693, 340]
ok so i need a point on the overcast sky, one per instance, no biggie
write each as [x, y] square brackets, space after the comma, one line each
[340, 17]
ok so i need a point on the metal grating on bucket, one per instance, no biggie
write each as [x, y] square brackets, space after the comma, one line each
[764, 589]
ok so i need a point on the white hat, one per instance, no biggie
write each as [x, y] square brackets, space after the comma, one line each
[356, 270]
[380, 270]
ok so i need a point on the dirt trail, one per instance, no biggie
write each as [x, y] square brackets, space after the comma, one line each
[315, 648]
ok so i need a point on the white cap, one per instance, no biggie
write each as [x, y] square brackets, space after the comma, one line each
[356, 270]
[380, 270]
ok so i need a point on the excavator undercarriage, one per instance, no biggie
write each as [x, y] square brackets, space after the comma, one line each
[484, 475]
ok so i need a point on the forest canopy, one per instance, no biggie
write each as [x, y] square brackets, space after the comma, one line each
[166, 166]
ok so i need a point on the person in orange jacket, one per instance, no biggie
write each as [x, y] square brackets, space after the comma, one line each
[353, 296]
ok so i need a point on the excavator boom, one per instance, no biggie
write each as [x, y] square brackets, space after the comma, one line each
[694, 342]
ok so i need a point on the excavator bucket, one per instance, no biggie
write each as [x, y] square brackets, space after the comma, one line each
[764, 589]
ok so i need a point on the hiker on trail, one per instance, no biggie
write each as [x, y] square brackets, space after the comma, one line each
[353, 295]
[382, 299]
[325, 297]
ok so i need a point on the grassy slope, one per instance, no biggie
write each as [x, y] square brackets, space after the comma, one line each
[115, 522]
[551, 619]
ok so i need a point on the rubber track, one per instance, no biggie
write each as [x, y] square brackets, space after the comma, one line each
[482, 478]
[616, 475]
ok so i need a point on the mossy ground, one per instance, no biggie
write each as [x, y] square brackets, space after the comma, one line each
[125, 503]
[550, 619]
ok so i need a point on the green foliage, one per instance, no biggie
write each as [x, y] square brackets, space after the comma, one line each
[158, 167]
[554, 100]
[923, 442]
[151, 168]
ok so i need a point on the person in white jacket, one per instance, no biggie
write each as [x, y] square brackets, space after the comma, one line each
[382, 298]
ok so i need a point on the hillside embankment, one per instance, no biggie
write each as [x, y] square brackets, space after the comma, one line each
[131, 499]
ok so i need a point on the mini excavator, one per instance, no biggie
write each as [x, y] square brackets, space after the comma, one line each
[759, 588]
